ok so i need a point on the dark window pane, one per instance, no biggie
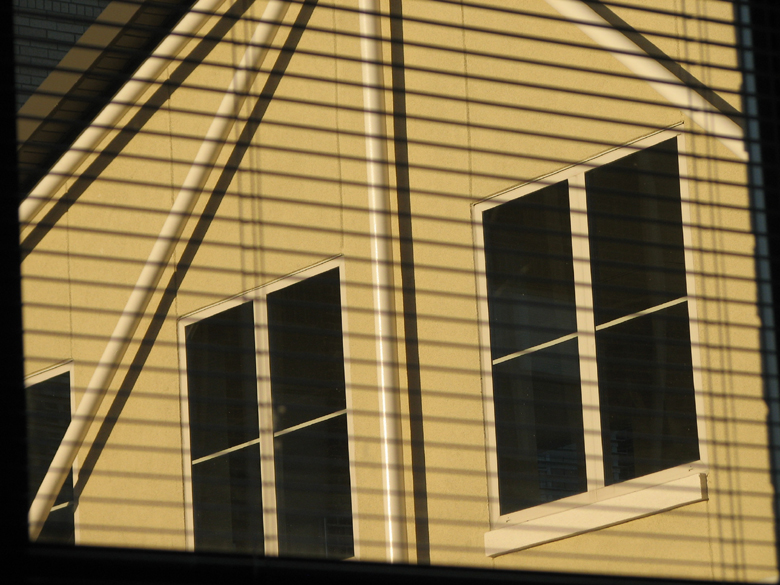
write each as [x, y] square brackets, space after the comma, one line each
[227, 502]
[59, 527]
[635, 225]
[530, 278]
[313, 498]
[539, 434]
[48, 417]
[648, 414]
[306, 350]
[221, 381]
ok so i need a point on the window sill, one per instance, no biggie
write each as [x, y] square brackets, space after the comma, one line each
[606, 512]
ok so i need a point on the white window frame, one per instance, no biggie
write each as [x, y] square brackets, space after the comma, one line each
[265, 442]
[42, 376]
[600, 506]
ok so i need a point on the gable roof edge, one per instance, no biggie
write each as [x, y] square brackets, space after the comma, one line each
[645, 66]
[100, 35]
[112, 112]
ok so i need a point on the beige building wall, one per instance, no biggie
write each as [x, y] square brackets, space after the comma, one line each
[496, 96]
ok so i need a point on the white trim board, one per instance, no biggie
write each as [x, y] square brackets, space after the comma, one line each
[589, 517]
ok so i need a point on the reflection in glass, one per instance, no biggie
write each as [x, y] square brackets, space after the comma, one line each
[648, 413]
[310, 458]
[314, 506]
[48, 417]
[221, 381]
[307, 350]
[222, 392]
[530, 276]
[539, 432]
[227, 502]
[635, 226]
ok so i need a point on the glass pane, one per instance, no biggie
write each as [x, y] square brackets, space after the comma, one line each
[221, 381]
[539, 435]
[635, 224]
[48, 417]
[227, 502]
[313, 497]
[648, 413]
[530, 277]
[307, 351]
[59, 527]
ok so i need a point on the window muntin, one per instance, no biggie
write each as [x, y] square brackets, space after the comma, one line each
[268, 434]
[49, 405]
[619, 382]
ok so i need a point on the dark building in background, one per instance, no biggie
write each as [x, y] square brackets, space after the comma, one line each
[44, 31]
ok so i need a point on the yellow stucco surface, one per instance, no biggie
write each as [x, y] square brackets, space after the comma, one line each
[493, 99]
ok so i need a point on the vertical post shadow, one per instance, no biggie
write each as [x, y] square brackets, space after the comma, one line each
[409, 292]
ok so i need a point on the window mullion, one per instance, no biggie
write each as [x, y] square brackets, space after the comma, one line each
[265, 418]
[583, 294]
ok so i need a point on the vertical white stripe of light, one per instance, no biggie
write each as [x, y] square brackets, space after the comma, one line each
[156, 263]
[382, 279]
[659, 77]
[586, 328]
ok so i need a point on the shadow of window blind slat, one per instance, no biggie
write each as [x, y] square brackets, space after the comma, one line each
[461, 284]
